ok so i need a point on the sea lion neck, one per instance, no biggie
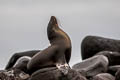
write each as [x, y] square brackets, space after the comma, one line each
[52, 27]
[57, 35]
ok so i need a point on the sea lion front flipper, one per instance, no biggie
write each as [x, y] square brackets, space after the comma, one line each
[63, 68]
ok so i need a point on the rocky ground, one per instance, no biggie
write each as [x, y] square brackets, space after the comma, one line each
[103, 63]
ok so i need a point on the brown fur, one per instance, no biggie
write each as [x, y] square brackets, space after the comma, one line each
[58, 52]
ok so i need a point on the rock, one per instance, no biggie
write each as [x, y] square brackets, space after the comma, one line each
[13, 74]
[117, 75]
[113, 69]
[21, 64]
[54, 74]
[103, 76]
[92, 66]
[93, 44]
[113, 57]
[16, 56]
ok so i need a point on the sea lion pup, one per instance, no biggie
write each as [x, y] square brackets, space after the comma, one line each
[94, 44]
[57, 54]
[21, 63]
[16, 56]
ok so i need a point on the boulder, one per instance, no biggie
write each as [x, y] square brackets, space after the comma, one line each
[113, 69]
[117, 75]
[16, 56]
[13, 74]
[103, 76]
[54, 74]
[113, 57]
[92, 66]
[94, 44]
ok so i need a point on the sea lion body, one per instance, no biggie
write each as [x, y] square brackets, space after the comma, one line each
[59, 38]
[59, 52]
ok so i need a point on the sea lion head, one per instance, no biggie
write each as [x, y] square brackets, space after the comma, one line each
[55, 34]
[51, 29]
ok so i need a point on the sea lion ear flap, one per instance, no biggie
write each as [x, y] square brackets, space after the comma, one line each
[53, 20]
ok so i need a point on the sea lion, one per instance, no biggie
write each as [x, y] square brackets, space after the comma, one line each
[16, 56]
[21, 63]
[94, 44]
[57, 54]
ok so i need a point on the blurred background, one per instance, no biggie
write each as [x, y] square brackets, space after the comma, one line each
[23, 23]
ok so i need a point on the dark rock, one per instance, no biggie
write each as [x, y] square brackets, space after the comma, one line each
[21, 64]
[93, 44]
[113, 69]
[13, 74]
[117, 75]
[113, 57]
[92, 66]
[54, 74]
[103, 76]
[16, 56]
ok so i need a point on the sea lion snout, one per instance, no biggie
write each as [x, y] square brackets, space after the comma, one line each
[53, 20]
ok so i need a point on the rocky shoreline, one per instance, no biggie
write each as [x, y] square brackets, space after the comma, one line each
[104, 65]
[101, 59]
